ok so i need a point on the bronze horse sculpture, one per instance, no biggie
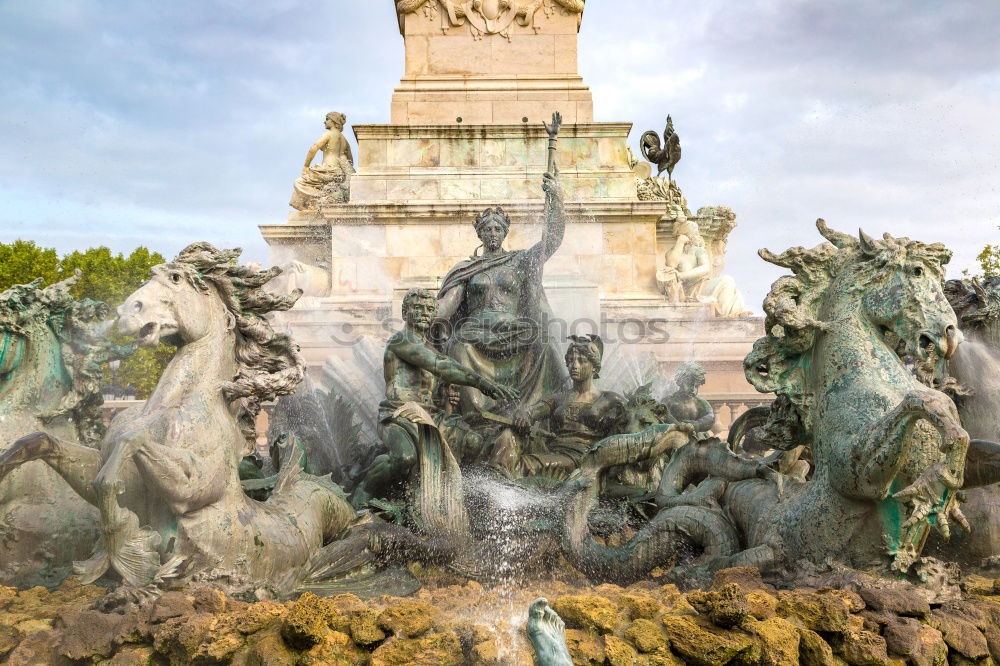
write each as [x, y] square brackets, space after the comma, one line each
[165, 478]
[889, 452]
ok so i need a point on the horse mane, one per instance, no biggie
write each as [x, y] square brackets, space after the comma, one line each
[76, 326]
[792, 308]
[268, 363]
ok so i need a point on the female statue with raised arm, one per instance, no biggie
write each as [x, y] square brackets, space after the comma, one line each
[494, 304]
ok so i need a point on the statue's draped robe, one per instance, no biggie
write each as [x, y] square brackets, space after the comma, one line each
[511, 348]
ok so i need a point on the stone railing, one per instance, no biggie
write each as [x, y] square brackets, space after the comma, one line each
[729, 406]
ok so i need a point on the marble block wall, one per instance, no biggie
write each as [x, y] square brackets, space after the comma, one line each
[454, 71]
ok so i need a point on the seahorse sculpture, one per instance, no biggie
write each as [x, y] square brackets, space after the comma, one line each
[52, 348]
[889, 452]
[165, 478]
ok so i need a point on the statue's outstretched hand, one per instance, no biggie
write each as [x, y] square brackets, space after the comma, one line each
[499, 392]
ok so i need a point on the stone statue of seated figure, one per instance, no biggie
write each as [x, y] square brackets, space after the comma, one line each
[328, 181]
[412, 370]
[686, 275]
[580, 417]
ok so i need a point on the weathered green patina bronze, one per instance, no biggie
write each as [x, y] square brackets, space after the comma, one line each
[889, 452]
[165, 478]
[52, 348]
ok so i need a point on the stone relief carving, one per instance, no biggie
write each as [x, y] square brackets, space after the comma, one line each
[651, 188]
[488, 17]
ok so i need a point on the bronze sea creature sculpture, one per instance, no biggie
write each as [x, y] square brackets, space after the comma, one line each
[889, 452]
[165, 477]
[52, 348]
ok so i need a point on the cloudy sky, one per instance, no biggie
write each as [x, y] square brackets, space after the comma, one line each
[158, 123]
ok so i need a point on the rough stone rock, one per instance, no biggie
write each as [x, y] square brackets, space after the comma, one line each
[266, 648]
[974, 584]
[210, 600]
[660, 659]
[641, 606]
[697, 642]
[442, 649]
[896, 601]
[646, 636]
[172, 604]
[587, 611]
[921, 644]
[853, 600]
[39, 648]
[725, 606]
[961, 635]
[136, 655]
[861, 648]
[255, 617]
[364, 627]
[7, 594]
[748, 578]
[310, 617]
[409, 618]
[9, 638]
[779, 641]
[762, 605]
[817, 611]
[335, 648]
[813, 650]
[674, 601]
[200, 638]
[86, 633]
[619, 653]
[486, 653]
[585, 649]
[875, 620]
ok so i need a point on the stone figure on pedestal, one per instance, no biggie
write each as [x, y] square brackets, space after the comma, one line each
[686, 276]
[328, 181]
[412, 370]
[494, 303]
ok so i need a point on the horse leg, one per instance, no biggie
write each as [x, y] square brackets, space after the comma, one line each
[885, 448]
[77, 465]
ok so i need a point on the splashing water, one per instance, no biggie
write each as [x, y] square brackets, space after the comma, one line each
[977, 366]
[511, 525]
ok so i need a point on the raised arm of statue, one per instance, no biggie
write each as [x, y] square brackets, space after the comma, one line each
[672, 258]
[555, 214]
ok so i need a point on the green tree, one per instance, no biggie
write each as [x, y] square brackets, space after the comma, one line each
[23, 261]
[105, 277]
[989, 260]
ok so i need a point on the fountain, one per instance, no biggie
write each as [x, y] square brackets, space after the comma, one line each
[430, 483]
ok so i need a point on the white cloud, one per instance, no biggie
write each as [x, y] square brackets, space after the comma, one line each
[161, 123]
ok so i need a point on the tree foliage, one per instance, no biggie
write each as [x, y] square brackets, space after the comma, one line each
[989, 260]
[106, 277]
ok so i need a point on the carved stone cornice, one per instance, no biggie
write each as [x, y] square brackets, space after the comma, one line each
[487, 17]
